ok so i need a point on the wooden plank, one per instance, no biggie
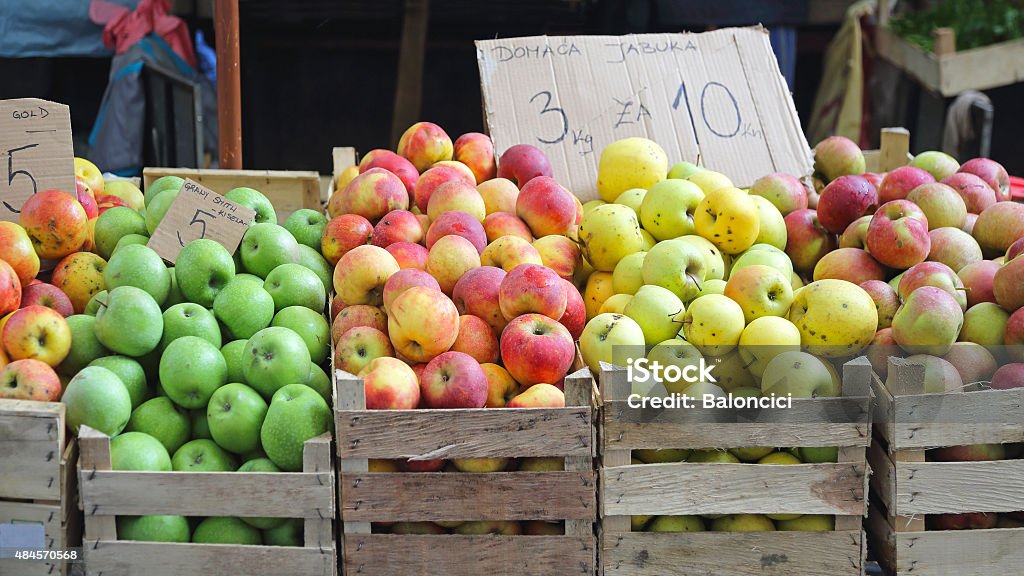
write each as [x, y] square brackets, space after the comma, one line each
[953, 487]
[707, 436]
[31, 446]
[458, 555]
[903, 522]
[855, 456]
[271, 494]
[883, 475]
[894, 148]
[734, 489]
[93, 458]
[465, 433]
[111, 558]
[734, 553]
[960, 553]
[409, 84]
[317, 459]
[433, 496]
[614, 386]
[882, 538]
[349, 394]
[579, 390]
[49, 515]
[341, 158]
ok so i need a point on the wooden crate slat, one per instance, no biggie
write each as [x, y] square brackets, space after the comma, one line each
[733, 553]
[663, 435]
[991, 552]
[433, 496]
[127, 558]
[883, 473]
[952, 487]
[710, 488]
[465, 433]
[458, 555]
[31, 446]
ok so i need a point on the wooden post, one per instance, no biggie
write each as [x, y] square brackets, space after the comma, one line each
[895, 146]
[409, 87]
[229, 85]
[945, 41]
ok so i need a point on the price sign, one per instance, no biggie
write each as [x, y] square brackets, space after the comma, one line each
[717, 99]
[196, 213]
[36, 152]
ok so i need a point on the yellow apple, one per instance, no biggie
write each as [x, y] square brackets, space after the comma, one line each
[609, 233]
[808, 523]
[771, 225]
[126, 191]
[709, 180]
[542, 465]
[676, 524]
[781, 458]
[752, 454]
[731, 372]
[675, 352]
[760, 291]
[743, 523]
[713, 323]
[728, 217]
[836, 318]
[649, 240]
[480, 465]
[712, 287]
[91, 175]
[598, 289]
[714, 261]
[798, 374]
[611, 338]
[628, 275]
[764, 339]
[630, 163]
[661, 456]
[668, 208]
[658, 312]
[588, 206]
[633, 198]
[616, 304]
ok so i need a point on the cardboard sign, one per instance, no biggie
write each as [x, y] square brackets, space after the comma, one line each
[36, 152]
[716, 98]
[196, 213]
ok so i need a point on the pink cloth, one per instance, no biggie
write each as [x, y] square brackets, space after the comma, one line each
[124, 27]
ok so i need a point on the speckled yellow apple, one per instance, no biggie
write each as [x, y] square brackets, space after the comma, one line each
[713, 323]
[836, 318]
[715, 261]
[728, 217]
[709, 180]
[628, 275]
[598, 289]
[609, 233]
[630, 163]
[609, 338]
[616, 304]
[764, 339]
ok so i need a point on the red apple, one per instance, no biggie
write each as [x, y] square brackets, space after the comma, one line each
[999, 226]
[458, 223]
[532, 288]
[1015, 249]
[36, 332]
[454, 380]
[403, 280]
[343, 233]
[560, 253]
[371, 195]
[898, 183]
[424, 465]
[1014, 335]
[104, 203]
[16, 249]
[546, 207]
[29, 380]
[784, 191]
[1008, 376]
[966, 521]
[992, 173]
[408, 255]
[432, 179]
[953, 247]
[476, 339]
[934, 274]
[477, 293]
[539, 396]
[898, 235]
[807, 240]
[424, 144]
[359, 346]
[55, 222]
[977, 279]
[476, 151]
[501, 224]
[390, 384]
[1008, 285]
[575, 317]
[885, 299]
[86, 198]
[536, 349]
[397, 226]
[969, 453]
[883, 346]
[973, 361]
[393, 163]
[522, 163]
[337, 305]
[358, 315]
[850, 264]
[49, 296]
[977, 194]
[844, 200]
[10, 289]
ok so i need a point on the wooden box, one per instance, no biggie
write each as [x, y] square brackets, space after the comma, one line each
[365, 497]
[106, 493]
[288, 191]
[906, 488]
[686, 488]
[37, 479]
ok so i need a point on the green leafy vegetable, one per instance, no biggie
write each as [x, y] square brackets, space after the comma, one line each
[976, 22]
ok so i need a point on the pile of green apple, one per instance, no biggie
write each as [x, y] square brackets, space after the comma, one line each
[217, 364]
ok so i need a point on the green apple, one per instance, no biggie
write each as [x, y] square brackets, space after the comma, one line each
[678, 266]
[203, 269]
[275, 357]
[818, 455]
[296, 414]
[731, 372]
[712, 286]
[153, 529]
[984, 323]
[772, 228]
[648, 240]
[760, 291]
[608, 233]
[200, 427]
[232, 352]
[129, 322]
[131, 240]
[161, 419]
[244, 307]
[140, 452]
[717, 456]
[713, 323]
[667, 209]
[188, 319]
[939, 164]
[675, 352]
[715, 267]
[799, 374]
[288, 533]
[311, 326]
[628, 276]
[764, 339]
[235, 415]
[267, 246]
[683, 170]
[255, 200]
[676, 524]
[752, 453]
[611, 338]
[162, 184]
[174, 295]
[93, 305]
[658, 312]
[295, 285]
[319, 381]
[157, 209]
[84, 346]
[226, 530]
[742, 523]
[808, 523]
[312, 259]
[261, 465]
[131, 374]
[95, 397]
[191, 370]
[701, 389]
[114, 224]
[141, 267]
[633, 198]
[203, 456]
[307, 226]
[660, 456]
[766, 255]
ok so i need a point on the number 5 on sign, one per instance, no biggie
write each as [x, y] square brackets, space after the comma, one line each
[35, 152]
[200, 213]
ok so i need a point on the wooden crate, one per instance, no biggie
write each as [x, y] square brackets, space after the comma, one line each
[946, 70]
[37, 479]
[341, 158]
[906, 488]
[288, 191]
[446, 496]
[713, 488]
[106, 493]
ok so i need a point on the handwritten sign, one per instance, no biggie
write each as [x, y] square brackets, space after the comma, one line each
[716, 98]
[196, 213]
[36, 152]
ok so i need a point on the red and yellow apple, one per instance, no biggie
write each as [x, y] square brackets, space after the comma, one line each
[536, 349]
[454, 380]
[422, 323]
[390, 384]
[55, 222]
[36, 332]
[80, 277]
[343, 233]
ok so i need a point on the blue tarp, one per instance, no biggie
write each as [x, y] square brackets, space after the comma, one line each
[51, 28]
